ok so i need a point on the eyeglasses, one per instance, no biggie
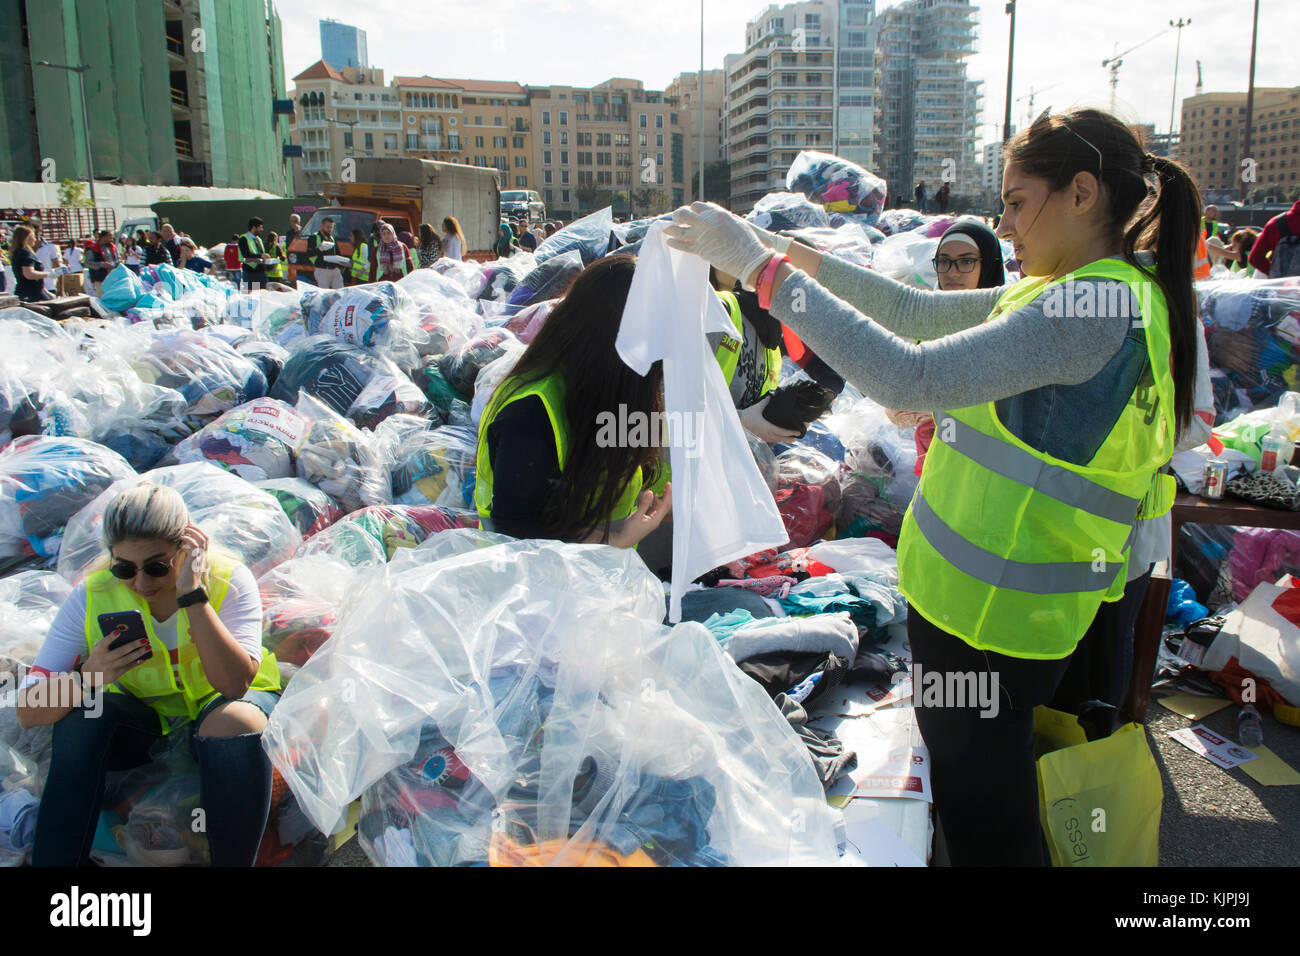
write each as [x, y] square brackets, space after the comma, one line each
[125, 570]
[965, 264]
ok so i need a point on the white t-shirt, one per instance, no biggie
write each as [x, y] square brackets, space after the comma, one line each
[48, 253]
[73, 259]
[451, 247]
[241, 612]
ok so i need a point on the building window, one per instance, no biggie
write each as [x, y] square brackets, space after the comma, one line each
[659, 121]
[370, 141]
[564, 157]
[498, 121]
[550, 196]
[518, 141]
[659, 140]
[645, 120]
[564, 195]
[548, 176]
[347, 140]
[498, 142]
[478, 142]
[564, 177]
[546, 157]
[564, 137]
[546, 118]
[521, 181]
[645, 139]
[478, 121]
[521, 162]
[564, 117]
[390, 141]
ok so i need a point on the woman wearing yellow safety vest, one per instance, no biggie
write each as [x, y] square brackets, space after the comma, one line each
[360, 273]
[1056, 401]
[567, 446]
[199, 669]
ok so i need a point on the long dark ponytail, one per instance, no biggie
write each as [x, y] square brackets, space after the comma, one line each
[1162, 216]
[577, 342]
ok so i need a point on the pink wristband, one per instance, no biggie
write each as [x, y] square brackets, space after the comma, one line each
[764, 284]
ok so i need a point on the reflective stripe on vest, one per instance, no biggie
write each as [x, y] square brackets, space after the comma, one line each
[728, 353]
[1013, 550]
[154, 682]
[551, 392]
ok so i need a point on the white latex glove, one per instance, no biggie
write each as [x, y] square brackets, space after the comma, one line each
[774, 242]
[758, 426]
[725, 240]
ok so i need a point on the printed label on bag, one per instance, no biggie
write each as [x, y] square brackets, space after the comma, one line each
[280, 423]
[1220, 752]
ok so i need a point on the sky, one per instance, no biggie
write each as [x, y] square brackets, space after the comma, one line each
[1059, 45]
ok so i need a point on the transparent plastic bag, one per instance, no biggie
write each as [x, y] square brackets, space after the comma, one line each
[907, 258]
[836, 182]
[29, 602]
[256, 441]
[490, 378]
[387, 393]
[309, 508]
[44, 482]
[876, 453]
[392, 527]
[588, 235]
[339, 458]
[302, 600]
[550, 280]
[235, 515]
[211, 375]
[461, 369]
[278, 317]
[848, 242]
[779, 211]
[1252, 333]
[528, 321]
[334, 372]
[430, 465]
[378, 315]
[468, 275]
[455, 660]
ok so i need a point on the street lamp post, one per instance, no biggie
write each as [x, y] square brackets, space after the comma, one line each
[1250, 101]
[85, 121]
[1011, 50]
[1178, 48]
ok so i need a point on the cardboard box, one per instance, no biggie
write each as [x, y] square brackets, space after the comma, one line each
[69, 284]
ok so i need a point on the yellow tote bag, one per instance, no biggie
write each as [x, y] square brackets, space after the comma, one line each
[1099, 802]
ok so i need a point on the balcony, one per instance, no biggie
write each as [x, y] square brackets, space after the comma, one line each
[431, 142]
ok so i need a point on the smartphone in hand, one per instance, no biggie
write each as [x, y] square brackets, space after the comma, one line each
[134, 631]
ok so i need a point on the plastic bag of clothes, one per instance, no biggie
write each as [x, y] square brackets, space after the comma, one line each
[388, 393]
[848, 242]
[461, 369]
[550, 280]
[340, 459]
[256, 441]
[334, 372]
[894, 221]
[468, 275]
[367, 315]
[839, 185]
[391, 527]
[656, 751]
[34, 378]
[776, 212]
[316, 304]
[310, 509]
[431, 466]
[808, 493]
[491, 378]
[211, 375]
[588, 235]
[501, 276]
[29, 602]
[278, 317]
[907, 258]
[123, 290]
[235, 515]
[302, 600]
[267, 356]
[1252, 332]
[43, 483]
[881, 462]
[528, 321]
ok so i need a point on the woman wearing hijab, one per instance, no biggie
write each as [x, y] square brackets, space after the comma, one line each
[505, 241]
[968, 256]
[392, 257]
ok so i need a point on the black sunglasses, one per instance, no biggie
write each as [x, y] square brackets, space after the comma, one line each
[125, 570]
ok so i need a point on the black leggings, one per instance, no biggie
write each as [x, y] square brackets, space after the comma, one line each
[982, 768]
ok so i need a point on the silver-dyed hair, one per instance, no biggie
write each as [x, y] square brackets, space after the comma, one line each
[145, 512]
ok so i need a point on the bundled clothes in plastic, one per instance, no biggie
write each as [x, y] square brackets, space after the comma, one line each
[332, 371]
[236, 516]
[778, 212]
[838, 184]
[549, 280]
[1252, 332]
[309, 508]
[588, 235]
[44, 482]
[339, 458]
[519, 701]
[461, 369]
[211, 375]
[256, 441]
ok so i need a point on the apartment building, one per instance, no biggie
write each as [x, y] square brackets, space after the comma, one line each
[341, 114]
[927, 112]
[496, 129]
[780, 96]
[699, 150]
[1213, 131]
[615, 143]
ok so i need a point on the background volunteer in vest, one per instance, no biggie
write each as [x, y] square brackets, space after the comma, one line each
[251, 253]
[547, 475]
[216, 684]
[359, 274]
[392, 257]
[328, 275]
[1048, 388]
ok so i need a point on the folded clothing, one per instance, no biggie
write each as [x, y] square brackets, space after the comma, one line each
[828, 755]
[833, 633]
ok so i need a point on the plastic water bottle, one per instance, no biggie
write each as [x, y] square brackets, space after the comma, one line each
[1250, 728]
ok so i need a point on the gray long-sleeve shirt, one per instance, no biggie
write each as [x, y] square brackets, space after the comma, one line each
[865, 326]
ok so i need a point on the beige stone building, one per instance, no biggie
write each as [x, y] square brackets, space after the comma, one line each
[341, 113]
[1212, 133]
[615, 143]
[477, 122]
[690, 93]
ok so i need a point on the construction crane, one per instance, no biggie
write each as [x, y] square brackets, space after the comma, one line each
[1029, 111]
[1116, 61]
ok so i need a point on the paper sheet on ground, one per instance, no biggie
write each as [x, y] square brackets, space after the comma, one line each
[1219, 751]
[1191, 706]
[1271, 770]
[872, 843]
